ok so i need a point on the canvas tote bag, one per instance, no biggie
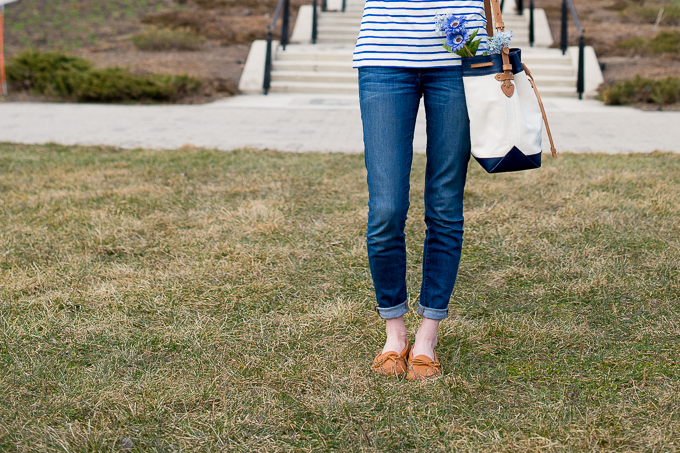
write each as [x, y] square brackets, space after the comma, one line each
[506, 112]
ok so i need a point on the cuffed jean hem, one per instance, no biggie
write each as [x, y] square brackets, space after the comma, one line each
[433, 313]
[393, 312]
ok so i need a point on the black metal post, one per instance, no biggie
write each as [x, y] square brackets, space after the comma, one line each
[315, 23]
[285, 25]
[520, 7]
[580, 79]
[502, 4]
[268, 64]
[532, 36]
[3, 80]
[344, 5]
[564, 37]
[324, 5]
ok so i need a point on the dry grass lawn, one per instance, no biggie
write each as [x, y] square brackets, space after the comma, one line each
[197, 300]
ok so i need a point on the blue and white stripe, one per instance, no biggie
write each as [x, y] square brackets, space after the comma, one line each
[402, 33]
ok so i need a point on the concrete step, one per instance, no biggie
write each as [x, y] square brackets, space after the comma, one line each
[353, 15]
[314, 87]
[339, 39]
[317, 52]
[315, 76]
[532, 57]
[353, 88]
[543, 80]
[537, 69]
[329, 20]
[313, 65]
[338, 30]
[562, 92]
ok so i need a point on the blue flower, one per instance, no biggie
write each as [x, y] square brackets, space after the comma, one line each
[457, 40]
[454, 24]
[449, 24]
[498, 41]
[439, 23]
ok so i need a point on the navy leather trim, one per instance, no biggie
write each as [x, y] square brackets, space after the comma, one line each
[515, 160]
[515, 60]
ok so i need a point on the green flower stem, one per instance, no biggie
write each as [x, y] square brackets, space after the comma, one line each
[467, 51]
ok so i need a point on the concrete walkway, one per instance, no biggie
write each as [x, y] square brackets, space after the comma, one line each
[290, 122]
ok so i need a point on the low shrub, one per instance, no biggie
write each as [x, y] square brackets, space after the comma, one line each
[49, 73]
[158, 38]
[666, 41]
[642, 90]
[74, 78]
[647, 14]
[230, 29]
[256, 4]
[118, 85]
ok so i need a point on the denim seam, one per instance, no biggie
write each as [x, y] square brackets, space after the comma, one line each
[426, 278]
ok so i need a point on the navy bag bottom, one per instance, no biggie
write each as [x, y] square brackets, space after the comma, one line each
[515, 160]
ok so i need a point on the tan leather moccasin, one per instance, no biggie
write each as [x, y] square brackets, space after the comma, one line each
[422, 367]
[390, 363]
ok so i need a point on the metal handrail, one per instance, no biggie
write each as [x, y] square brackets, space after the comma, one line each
[564, 35]
[315, 22]
[567, 5]
[564, 43]
[282, 5]
[532, 33]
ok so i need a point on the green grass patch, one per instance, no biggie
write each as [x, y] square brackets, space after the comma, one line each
[640, 12]
[72, 24]
[159, 38]
[667, 41]
[198, 300]
[74, 78]
[642, 90]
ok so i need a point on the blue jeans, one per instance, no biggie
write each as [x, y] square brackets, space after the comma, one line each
[389, 99]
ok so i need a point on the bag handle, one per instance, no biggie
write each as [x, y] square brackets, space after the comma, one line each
[553, 151]
[492, 9]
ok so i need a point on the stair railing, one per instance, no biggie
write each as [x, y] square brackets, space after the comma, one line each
[564, 43]
[532, 31]
[315, 21]
[282, 5]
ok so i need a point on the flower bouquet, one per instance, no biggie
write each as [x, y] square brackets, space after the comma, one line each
[460, 41]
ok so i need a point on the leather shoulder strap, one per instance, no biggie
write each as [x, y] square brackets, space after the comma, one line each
[489, 18]
[497, 16]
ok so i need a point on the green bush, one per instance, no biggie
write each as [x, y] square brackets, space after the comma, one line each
[157, 38]
[667, 41]
[74, 78]
[639, 89]
[49, 73]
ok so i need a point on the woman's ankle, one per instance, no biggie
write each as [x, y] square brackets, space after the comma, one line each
[397, 337]
[426, 338]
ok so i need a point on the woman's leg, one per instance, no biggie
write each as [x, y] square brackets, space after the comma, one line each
[389, 100]
[448, 153]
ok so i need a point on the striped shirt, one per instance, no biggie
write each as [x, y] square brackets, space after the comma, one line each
[402, 33]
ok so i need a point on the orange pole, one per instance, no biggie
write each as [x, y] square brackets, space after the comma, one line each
[2, 52]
